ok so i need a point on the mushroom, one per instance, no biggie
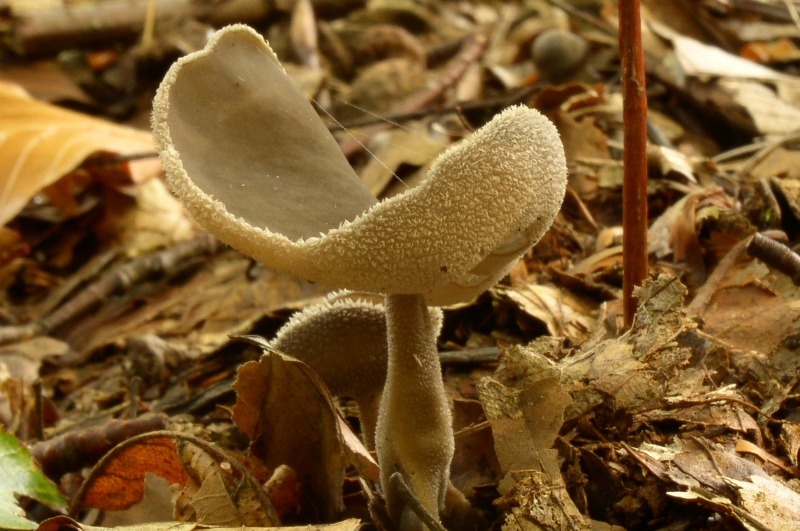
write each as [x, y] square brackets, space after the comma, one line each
[344, 340]
[251, 160]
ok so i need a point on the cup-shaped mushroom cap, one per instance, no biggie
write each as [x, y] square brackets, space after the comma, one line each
[485, 202]
[237, 135]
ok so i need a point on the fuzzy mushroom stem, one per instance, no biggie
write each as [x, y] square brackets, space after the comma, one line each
[415, 427]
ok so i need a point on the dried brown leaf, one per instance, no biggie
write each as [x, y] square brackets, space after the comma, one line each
[120, 483]
[213, 496]
[564, 313]
[288, 414]
[731, 316]
[77, 449]
[525, 403]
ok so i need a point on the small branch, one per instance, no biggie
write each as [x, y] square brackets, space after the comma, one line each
[634, 194]
[776, 255]
[401, 487]
[470, 52]
[469, 356]
[165, 262]
[501, 101]
[714, 281]
[70, 25]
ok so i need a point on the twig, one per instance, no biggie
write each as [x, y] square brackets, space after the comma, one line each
[134, 384]
[764, 151]
[714, 281]
[37, 420]
[399, 484]
[469, 356]
[503, 100]
[583, 16]
[634, 199]
[776, 255]
[70, 25]
[208, 448]
[469, 54]
[773, 214]
[164, 262]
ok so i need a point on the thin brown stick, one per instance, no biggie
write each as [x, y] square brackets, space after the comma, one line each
[634, 194]
[413, 503]
[703, 296]
[165, 262]
[470, 52]
[501, 101]
[76, 25]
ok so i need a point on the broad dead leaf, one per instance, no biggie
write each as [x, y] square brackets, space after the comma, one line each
[525, 403]
[746, 286]
[288, 414]
[120, 484]
[39, 143]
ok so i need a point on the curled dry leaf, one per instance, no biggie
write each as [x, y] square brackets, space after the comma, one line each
[286, 411]
[77, 449]
[39, 143]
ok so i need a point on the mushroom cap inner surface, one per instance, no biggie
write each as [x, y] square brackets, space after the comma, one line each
[249, 139]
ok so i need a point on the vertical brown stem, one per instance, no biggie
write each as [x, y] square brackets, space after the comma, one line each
[634, 193]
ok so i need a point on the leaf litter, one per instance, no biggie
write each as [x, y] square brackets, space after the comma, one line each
[687, 420]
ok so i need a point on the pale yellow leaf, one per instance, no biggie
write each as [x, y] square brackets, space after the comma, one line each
[39, 143]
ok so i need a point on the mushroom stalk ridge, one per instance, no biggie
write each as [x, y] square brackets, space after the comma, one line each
[414, 435]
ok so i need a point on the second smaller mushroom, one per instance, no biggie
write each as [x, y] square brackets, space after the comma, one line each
[344, 340]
